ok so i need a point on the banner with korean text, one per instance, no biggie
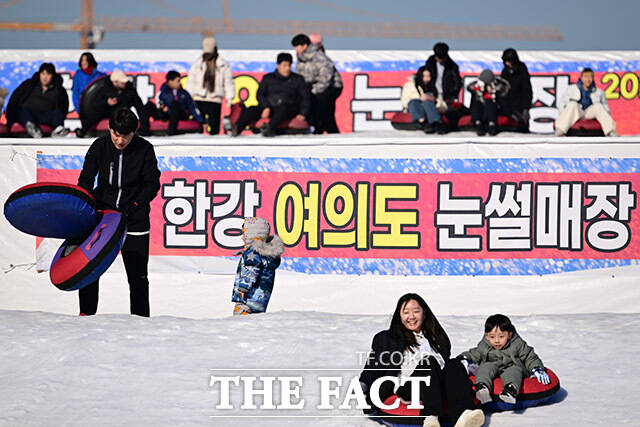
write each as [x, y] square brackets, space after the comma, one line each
[415, 216]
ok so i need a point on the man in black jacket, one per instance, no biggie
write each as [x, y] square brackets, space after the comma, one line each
[128, 180]
[40, 100]
[282, 95]
[118, 92]
[446, 74]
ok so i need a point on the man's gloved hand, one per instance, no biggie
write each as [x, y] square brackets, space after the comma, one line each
[540, 375]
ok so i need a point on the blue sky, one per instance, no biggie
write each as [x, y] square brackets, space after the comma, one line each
[586, 24]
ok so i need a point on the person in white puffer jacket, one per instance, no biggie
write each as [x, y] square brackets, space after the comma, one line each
[584, 100]
[209, 84]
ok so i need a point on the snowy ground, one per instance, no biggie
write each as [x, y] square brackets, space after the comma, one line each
[117, 370]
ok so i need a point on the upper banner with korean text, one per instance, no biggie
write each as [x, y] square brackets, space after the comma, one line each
[372, 79]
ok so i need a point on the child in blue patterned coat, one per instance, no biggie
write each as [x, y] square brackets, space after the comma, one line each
[257, 267]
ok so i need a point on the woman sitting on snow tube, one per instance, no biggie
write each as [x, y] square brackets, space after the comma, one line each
[415, 345]
[420, 98]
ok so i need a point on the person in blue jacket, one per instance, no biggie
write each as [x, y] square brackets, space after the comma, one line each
[87, 72]
[175, 103]
[257, 267]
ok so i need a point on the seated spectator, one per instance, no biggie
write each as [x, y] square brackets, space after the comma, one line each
[40, 100]
[175, 103]
[484, 102]
[209, 81]
[584, 100]
[445, 73]
[3, 94]
[323, 79]
[518, 100]
[282, 95]
[419, 97]
[117, 93]
[86, 73]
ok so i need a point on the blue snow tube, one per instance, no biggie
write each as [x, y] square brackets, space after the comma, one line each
[49, 209]
[78, 264]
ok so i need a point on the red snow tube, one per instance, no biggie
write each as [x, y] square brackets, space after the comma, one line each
[532, 393]
[403, 121]
[18, 131]
[156, 127]
[4, 130]
[584, 127]
[76, 266]
[290, 126]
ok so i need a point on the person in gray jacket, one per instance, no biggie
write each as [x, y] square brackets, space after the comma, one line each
[324, 81]
[502, 352]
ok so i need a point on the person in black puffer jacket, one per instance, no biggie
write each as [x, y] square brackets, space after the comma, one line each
[518, 100]
[282, 95]
[40, 100]
[128, 180]
[446, 76]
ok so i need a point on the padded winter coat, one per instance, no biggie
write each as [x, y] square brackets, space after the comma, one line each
[80, 81]
[256, 273]
[184, 99]
[318, 70]
[223, 87]
[573, 94]
[451, 80]
[515, 352]
[22, 93]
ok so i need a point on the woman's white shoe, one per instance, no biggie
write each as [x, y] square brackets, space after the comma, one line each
[431, 421]
[471, 418]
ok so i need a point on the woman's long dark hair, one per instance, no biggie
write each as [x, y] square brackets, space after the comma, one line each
[90, 59]
[209, 81]
[430, 328]
[426, 87]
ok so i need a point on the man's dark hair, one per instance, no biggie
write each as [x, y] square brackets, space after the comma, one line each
[441, 50]
[501, 321]
[48, 67]
[284, 56]
[587, 70]
[90, 59]
[172, 75]
[123, 121]
[300, 39]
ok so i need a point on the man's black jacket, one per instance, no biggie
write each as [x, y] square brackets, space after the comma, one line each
[128, 180]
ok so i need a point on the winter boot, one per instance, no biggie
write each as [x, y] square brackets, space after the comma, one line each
[483, 394]
[471, 418]
[493, 129]
[431, 421]
[480, 128]
[33, 130]
[509, 394]
[241, 309]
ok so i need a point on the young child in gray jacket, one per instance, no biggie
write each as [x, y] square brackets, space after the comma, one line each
[502, 352]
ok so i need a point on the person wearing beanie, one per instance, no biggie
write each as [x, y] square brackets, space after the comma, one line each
[282, 95]
[518, 100]
[322, 78]
[117, 92]
[209, 82]
[257, 266]
[486, 93]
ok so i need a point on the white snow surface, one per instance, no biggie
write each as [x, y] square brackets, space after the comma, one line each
[115, 369]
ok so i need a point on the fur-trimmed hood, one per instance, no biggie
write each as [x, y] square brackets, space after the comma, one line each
[273, 247]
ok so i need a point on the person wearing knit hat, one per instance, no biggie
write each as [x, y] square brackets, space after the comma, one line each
[110, 95]
[257, 266]
[209, 82]
[488, 93]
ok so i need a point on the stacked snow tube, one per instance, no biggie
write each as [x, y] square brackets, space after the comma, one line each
[65, 211]
[532, 393]
[76, 266]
